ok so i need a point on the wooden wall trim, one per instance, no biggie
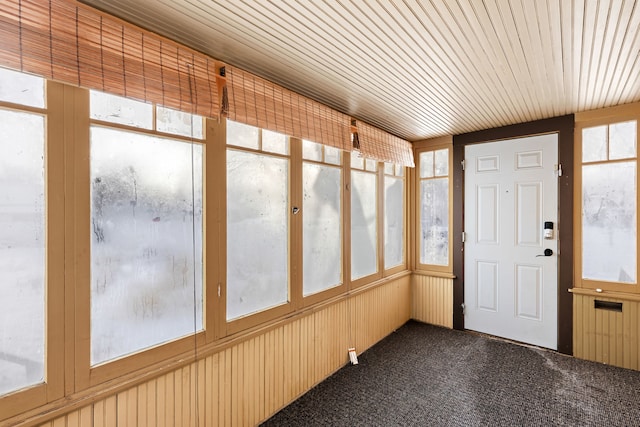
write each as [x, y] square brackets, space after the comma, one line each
[564, 126]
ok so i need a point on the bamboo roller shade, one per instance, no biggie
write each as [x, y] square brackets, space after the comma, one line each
[67, 41]
[380, 145]
[259, 102]
[73, 43]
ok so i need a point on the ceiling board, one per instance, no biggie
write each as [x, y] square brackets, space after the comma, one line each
[419, 69]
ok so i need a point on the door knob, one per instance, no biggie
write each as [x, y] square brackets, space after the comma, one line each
[547, 252]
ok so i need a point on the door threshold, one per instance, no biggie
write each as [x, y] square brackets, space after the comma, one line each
[508, 340]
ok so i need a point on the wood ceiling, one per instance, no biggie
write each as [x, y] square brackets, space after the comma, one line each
[419, 69]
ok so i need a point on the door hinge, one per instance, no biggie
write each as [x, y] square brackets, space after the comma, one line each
[218, 290]
[464, 237]
[559, 169]
[463, 308]
[462, 164]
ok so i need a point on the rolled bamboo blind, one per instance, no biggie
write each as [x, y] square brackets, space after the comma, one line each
[380, 145]
[73, 43]
[259, 102]
[70, 42]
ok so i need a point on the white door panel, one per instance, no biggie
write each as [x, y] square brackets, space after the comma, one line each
[510, 191]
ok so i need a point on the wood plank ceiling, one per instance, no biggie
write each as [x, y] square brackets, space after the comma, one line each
[419, 69]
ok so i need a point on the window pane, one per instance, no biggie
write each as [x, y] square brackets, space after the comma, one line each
[357, 162]
[275, 142]
[178, 122]
[363, 224]
[609, 222]
[243, 135]
[22, 250]
[393, 222]
[21, 88]
[311, 150]
[622, 140]
[371, 165]
[442, 162]
[399, 170]
[322, 239]
[257, 233]
[388, 168]
[434, 221]
[332, 155]
[594, 144]
[146, 261]
[116, 109]
[426, 164]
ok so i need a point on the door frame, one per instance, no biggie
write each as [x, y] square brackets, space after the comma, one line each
[563, 126]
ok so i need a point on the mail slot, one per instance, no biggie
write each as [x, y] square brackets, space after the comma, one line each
[607, 305]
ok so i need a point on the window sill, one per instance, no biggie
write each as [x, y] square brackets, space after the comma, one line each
[627, 296]
[432, 273]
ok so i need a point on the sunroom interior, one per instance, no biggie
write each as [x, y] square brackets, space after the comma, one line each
[207, 207]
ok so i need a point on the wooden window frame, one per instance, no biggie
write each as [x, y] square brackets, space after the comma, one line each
[607, 116]
[362, 281]
[230, 327]
[53, 387]
[422, 147]
[78, 208]
[69, 370]
[405, 217]
[325, 294]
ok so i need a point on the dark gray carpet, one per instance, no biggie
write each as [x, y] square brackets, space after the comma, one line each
[423, 375]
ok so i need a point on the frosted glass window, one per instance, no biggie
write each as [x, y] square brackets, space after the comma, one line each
[22, 251]
[426, 164]
[434, 221]
[357, 162]
[146, 246]
[393, 222]
[274, 142]
[332, 155]
[124, 111]
[371, 165]
[622, 140]
[364, 247]
[178, 122]
[434, 207]
[441, 162]
[311, 150]
[257, 232]
[321, 153]
[242, 135]
[609, 222]
[594, 144]
[21, 88]
[389, 168]
[322, 237]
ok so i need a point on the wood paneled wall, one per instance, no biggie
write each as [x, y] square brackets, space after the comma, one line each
[432, 300]
[606, 336]
[248, 382]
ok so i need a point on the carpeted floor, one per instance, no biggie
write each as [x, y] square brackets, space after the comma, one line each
[423, 375]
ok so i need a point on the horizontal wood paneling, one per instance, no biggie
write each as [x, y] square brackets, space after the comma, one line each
[606, 336]
[432, 300]
[248, 382]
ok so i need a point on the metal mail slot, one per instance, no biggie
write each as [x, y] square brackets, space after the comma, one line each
[607, 305]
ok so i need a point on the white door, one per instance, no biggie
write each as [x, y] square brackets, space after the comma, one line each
[510, 286]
